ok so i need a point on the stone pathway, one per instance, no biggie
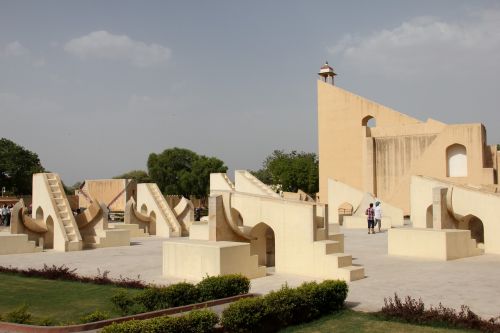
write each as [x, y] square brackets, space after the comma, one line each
[471, 281]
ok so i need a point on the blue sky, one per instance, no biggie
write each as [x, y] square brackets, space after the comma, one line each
[95, 86]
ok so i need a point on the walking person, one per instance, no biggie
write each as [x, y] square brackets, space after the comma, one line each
[10, 208]
[370, 213]
[5, 211]
[378, 215]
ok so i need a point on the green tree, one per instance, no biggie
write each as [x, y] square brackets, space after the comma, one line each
[292, 171]
[140, 176]
[17, 166]
[182, 171]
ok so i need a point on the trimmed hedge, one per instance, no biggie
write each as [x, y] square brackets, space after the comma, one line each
[179, 294]
[285, 307]
[200, 321]
[167, 297]
[246, 315]
[216, 287]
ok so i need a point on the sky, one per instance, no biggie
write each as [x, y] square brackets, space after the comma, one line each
[94, 87]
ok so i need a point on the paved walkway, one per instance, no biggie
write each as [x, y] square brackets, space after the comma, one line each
[472, 281]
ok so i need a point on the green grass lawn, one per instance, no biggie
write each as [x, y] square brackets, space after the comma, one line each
[349, 321]
[62, 301]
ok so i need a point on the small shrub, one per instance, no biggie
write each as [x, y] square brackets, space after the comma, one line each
[178, 294]
[45, 321]
[19, 315]
[95, 316]
[287, 306]
[65, 273]
[216, 287]
[310, 293]
[247, 315]
[153, 298]
[126, 304]
[414, 311]
[132, 326]
[332, 295]
[182, 293]
[195, 322]
[201, 321]
[54, 272]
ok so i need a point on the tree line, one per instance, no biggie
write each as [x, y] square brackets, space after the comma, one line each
[176, 171]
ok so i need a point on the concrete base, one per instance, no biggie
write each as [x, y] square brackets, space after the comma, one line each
[445, 244]
[199, 231]
[195, 259]
[360, 222]
[134, 229]
[17, 243]
[112, 238]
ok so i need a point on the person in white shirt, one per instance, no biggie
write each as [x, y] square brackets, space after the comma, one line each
[378, 215]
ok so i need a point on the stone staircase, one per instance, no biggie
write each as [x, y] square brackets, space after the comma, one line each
[134, 229]
[174, 225]
[17, 243]
[330, 261]
[228, 181]
[64, 213]
[260, 186]
[107, 238]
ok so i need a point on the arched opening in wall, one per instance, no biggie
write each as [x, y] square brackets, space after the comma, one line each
[263, 245]
[144, 209]
[345, 209]
[39, 213]
[152, 223]
[368, 123]
[476, 227]
[456, 161]
[428, 217]
[48, 237]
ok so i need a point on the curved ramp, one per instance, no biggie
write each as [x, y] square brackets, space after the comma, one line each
[88, 215]
[184, 211]
[20, 215]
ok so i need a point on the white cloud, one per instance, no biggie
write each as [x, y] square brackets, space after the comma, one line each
[426, 44]
[15, 49]
[104, 45]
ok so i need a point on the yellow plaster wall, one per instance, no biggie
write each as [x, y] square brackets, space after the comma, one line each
[382, 159]
[105, 190]
[341, 137]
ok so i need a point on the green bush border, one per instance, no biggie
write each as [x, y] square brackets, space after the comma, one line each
[180, 294]
[285, 307]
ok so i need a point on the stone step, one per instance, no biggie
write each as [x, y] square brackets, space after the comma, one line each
[331, 247]
[353, 273]
[342, 259]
